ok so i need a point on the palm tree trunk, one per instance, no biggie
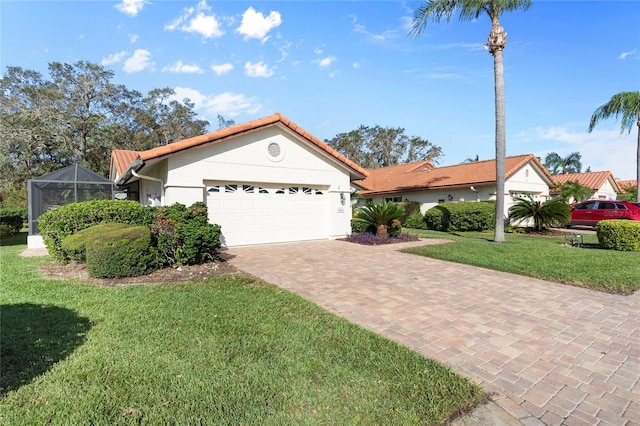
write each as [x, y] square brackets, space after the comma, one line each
[381, 231]
[497, 41]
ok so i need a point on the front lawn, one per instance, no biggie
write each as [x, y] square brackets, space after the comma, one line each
[543, 257]
[224, 350]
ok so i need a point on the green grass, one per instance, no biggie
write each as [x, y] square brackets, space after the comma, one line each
[226, 350]
[542, 257]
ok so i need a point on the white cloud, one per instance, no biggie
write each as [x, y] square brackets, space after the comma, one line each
[325, 62]
[356, 65]
[377, 38]
[255, 25]
[259, 69]
[130, 7]
[114, 58]
[140, 61]
[624, 55]
[195, 20]
[180, 67]
[601, 149]
[221, 69]
[317, 51]
[227, 104]
[133, 38]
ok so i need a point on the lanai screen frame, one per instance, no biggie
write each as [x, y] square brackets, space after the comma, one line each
[85, 184]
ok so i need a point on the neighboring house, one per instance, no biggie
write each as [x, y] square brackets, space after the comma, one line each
[474, 181]
[631, 183]
[603, 184]
[265, 181]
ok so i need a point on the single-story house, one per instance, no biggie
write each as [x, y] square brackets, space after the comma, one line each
[603, 184]
[629, 183]
[264, 181]
[475, 181]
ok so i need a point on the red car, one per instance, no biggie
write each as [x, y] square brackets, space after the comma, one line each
[588, 213]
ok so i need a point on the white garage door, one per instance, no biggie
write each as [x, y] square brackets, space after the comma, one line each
[255, 213]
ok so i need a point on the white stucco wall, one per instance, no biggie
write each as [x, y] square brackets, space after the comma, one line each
[606, 192]
[247, 159]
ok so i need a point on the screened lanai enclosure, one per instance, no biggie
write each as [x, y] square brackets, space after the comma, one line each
[72, 184]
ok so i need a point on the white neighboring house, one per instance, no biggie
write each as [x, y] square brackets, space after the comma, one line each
[475, 181]
[603, 184]
[264, 181]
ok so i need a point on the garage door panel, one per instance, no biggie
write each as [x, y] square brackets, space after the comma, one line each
[254, 213]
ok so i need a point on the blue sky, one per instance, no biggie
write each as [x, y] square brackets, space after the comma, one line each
[331, 66]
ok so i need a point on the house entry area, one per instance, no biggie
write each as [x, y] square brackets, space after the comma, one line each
[259, 213]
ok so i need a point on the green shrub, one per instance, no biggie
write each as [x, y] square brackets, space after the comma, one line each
[409, 207]
[15, 218]
[623, 235]
[415, 221]
[395, 228]
[183, 235]
[461, 216]
[56, 225]
[6, 231]
[358, 227]
[123, 252]
[74, 247]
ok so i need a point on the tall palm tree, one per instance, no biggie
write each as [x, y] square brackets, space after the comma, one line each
[472, 159]
[555, 164]
[573, 192]
[469, 10]
[626, 104]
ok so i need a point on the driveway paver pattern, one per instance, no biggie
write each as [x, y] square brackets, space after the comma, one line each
[551, 354]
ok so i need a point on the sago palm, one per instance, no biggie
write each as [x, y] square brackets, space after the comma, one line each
[627, 105]
[470, 10]
[379, 215]
[543, 214]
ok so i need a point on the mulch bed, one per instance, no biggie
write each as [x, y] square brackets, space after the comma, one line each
[78, 271]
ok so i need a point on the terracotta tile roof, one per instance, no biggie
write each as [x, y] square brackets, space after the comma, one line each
[630, 183]
[120, 157]
[592, 180]
[416, 176]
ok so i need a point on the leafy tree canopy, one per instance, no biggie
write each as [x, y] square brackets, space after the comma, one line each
[375, 147]
[78, 114]
[557, 165]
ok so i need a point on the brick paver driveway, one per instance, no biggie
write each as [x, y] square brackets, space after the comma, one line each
[552, 353]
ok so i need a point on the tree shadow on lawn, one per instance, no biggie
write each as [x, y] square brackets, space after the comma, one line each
[18, 239]
[35, 337]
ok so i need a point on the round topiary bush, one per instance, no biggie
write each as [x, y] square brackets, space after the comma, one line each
[623, 235]
[123, 252]
[74, 247]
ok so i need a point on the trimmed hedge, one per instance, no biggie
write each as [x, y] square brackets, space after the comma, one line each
[74, 247]
[124, 251]
[416, 221]
[15, 218]
[410, 208]
[6, 231]
[56, 225]
[461, 216]
[623, 235]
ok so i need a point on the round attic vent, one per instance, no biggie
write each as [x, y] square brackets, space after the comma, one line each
[274, 150]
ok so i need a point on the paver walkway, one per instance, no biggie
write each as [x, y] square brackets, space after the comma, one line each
[553, 354]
